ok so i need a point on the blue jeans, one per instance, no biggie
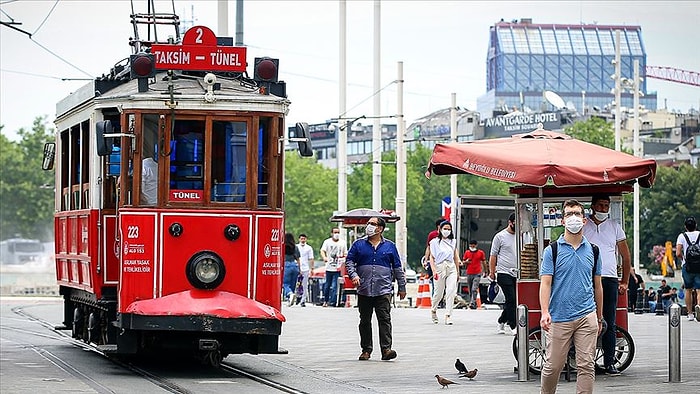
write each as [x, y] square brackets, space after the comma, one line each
[610, 289]
[330, 288]
[291, 273]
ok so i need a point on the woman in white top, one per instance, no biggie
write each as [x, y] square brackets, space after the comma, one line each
[444, 260]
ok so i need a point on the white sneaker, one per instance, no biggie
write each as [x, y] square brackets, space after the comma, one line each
[501, 328]
[433, 316]
[448, 320]
[514, 331]
[691, 317]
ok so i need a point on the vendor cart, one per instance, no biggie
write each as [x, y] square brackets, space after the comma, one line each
[545, 169]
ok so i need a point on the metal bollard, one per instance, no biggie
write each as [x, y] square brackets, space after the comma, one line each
[523, 344]
[674, 344]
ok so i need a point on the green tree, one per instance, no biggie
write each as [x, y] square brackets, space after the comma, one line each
[310, 198]
[26, 192]
[674, 196]
[594, 130]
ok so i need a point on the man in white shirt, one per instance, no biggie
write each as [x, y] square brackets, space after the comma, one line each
[600, 230]
[149, 181]
[690, 280]
[306, 263]
[333, 252]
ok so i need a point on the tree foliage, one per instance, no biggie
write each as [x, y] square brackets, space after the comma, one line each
[26, 192]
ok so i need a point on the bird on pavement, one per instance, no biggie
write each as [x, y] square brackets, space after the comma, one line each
[470, 374]
[461, 368]
[444, 382]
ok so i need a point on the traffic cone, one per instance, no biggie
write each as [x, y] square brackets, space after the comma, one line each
[478, 300]
[425, 295]
[419, 294]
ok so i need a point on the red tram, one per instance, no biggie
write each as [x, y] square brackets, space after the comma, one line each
[169, 201]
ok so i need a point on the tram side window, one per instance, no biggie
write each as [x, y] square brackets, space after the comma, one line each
[264, 161]
[187, 156]
[228, 171]
[149, 161]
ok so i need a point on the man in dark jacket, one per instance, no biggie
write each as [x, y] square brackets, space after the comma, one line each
[372, 263]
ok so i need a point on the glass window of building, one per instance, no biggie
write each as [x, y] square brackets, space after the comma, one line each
[505, 39]
[635, 43]
[563, 42]
[607, 42]
[520, 41]
[577, 42]
[592, 42]
[549, 42]
[533, 36]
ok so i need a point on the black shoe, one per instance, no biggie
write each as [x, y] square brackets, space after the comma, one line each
[612, 371]
[388, 354]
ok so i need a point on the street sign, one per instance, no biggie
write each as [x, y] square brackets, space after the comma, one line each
[199, 52]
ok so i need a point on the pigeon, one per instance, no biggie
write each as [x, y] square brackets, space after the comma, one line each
[461, 368]
[470, 374]
[444, 382]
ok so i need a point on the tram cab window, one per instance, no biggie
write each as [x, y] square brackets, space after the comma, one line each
[228, 172]
[187, 156]
[149, 161]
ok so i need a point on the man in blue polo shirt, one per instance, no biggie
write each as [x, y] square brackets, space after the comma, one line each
[373, 263]
[571, 300]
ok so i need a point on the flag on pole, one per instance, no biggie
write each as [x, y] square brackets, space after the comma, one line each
[446, 208]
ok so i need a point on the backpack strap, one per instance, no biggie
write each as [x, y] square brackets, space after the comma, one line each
[688, 239]
[596, 254]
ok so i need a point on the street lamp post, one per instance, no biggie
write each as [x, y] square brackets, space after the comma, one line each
[638, 153]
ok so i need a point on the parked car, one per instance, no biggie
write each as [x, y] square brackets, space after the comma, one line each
[411, 276]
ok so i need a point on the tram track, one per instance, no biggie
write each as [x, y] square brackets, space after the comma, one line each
[165, 384]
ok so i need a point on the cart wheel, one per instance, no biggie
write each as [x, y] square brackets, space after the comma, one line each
[536, 351]
[624, 352]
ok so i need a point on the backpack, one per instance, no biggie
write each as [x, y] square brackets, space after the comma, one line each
[596, 253]
[692, 255]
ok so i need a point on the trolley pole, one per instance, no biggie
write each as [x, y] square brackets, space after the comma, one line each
[674, 344]
[523, 344]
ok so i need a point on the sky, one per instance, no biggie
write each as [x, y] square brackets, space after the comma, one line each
[442, 44]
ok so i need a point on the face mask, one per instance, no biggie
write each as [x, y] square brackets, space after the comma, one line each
[601, 215]
[472, 249]
[446, 233]
[370, 230]
[336, 236]
[573, 224]
[512, 227]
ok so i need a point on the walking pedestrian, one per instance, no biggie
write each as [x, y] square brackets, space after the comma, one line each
[333, 251]
[571, 297]
[373, 263]
[691, 280]
[599, 229]
[291, 267]
[444, 261]
[475, 259]
[306, 264]
[503, 263]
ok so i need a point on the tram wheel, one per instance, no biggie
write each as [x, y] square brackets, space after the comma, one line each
[93, 328]
[77, 330]
[536, 351]
[624, 352]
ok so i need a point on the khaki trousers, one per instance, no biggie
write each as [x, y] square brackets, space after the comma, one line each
[446, 283]
[583, 332]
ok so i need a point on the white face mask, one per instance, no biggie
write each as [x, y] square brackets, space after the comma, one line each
[601, 215]
[472, 249]
[573, 224]
[336, 236]
[446, 233]
[370, 230]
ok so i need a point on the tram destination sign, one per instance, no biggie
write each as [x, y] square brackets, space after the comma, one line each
[199, 52]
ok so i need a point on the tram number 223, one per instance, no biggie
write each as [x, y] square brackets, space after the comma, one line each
[275, 235]
[132, 232]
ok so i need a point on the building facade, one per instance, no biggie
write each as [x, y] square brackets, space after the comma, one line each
[575, 62]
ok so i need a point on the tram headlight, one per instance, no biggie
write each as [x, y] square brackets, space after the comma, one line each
[206, 270]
